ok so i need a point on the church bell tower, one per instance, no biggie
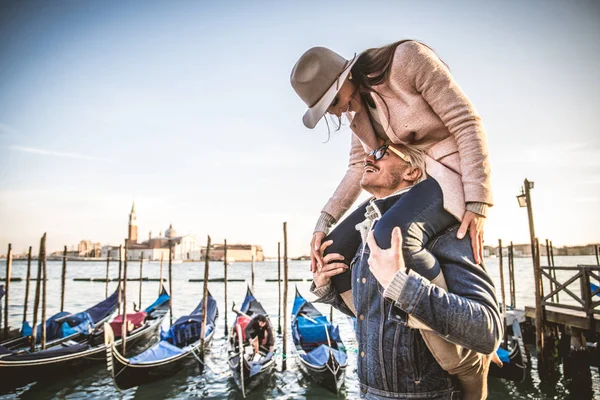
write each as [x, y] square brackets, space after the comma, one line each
[133, 226]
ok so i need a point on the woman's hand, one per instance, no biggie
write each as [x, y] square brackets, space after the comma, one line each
[322, 275]
[384, 264]
[474, 223]
[316, 254]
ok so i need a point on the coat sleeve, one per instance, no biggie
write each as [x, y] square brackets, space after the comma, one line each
[429, 76]
[349, 188]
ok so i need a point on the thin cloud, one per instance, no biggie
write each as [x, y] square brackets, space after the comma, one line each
[34, 150]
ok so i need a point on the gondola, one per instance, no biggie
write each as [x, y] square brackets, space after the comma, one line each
[248, 372]
[65, 326]
[513, 358]
[319, 349]
[20, 368]
[179, 346]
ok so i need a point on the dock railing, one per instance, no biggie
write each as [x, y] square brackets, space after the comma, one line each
[589, 280]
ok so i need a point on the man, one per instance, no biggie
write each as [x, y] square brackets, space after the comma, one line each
[394, 360]
[259, 333]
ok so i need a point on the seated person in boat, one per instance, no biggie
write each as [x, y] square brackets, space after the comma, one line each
[449, 303]
[260, 334]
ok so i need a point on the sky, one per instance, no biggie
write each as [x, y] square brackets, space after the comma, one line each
[186, 108]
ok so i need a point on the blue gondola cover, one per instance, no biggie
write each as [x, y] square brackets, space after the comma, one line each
[320, 355]
[103, 309]
[306, 331]
[76, 323]
[162, 299]
[160, 351]
[503, 355]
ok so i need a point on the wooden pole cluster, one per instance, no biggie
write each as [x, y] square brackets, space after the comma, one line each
[279, 286]
[171, 282]
[285, 295]
[44, 296]
[205, 299]
[63, 280]
[27, 285]
[225, 282]
[141, 272]
[124, 320]
[501, 266]
[36, 302]
[7, 289]
[511, 275]
[107, 269]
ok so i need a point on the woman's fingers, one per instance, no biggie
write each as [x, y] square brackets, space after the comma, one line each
[464, 225]
[333, 257]
[333, 269]
[475, 244]
[315, 255]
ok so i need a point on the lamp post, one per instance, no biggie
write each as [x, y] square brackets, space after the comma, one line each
[524, 200]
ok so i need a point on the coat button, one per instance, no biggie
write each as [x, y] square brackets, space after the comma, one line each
[362, 354]
[362, 317]
[364, 280]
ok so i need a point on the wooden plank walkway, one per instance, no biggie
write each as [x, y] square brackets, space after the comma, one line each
[572, 318]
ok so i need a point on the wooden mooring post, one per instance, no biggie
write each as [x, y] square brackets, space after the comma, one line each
[226, 309]
[501, 267]
[171, 283]
[553, 271]
[120, 280]
[124, 320]
[44, 297]
[63, 280]
[252, 272]
[27, 285]
[160, 279]
[141, 278]
[279, 286]
[285, 296]
[7, 290]
[36, 301]
[205, 299]
[597, 251]
[107, 269]
[511, 275]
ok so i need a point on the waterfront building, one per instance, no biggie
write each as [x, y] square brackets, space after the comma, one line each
[235, 252]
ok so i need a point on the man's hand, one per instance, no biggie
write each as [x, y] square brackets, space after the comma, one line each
[329, 267]
[474, 223]
[384, 264]
[316, 255]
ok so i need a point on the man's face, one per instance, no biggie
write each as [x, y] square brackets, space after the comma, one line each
[384, 176]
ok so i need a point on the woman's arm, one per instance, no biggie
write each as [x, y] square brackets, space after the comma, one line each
[344, 196]
[431, 78]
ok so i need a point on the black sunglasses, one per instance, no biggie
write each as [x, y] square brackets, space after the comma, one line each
[380, 152]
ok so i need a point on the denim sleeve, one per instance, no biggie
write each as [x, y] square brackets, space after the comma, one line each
[327, 294]
[469, 316]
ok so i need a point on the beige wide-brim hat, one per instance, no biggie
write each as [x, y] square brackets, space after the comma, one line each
[317, 77]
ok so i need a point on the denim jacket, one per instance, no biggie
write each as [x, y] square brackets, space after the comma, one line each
[393, 359]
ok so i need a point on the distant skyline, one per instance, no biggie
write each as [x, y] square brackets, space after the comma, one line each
[186, 108]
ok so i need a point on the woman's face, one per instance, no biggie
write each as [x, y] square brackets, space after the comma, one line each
[343, 100]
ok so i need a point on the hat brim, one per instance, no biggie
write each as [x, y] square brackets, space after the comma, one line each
[316, 112]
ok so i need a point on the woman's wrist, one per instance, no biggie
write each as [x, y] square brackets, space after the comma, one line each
[324, 223]
[478, 208]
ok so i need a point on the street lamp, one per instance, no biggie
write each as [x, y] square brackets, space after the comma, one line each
[524, 200]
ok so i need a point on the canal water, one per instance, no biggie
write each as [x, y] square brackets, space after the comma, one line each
[216, 382]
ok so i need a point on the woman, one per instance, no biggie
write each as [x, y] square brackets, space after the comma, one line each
[400, 93]
[403, 94]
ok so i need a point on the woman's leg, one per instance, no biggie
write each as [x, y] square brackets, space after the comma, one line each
[346, 241]
[420, 214]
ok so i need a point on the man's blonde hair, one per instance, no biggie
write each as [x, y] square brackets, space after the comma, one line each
[416, 157]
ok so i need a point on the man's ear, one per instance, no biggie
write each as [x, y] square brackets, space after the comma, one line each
[412, 174]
